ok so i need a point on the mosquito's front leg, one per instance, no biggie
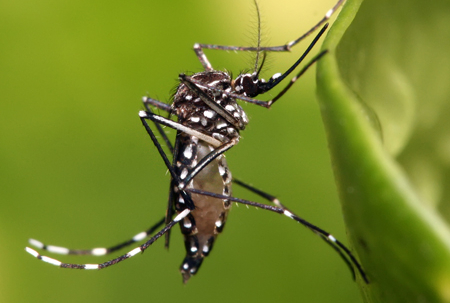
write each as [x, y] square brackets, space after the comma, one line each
[202, 57]
[280, 48]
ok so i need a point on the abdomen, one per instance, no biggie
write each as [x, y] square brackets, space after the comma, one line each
[201, 227]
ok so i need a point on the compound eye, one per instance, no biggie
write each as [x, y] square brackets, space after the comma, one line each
[247, 85]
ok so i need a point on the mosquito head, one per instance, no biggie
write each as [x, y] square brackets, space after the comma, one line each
[250, 85]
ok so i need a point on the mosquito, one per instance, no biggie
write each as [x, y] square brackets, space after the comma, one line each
[209, 121]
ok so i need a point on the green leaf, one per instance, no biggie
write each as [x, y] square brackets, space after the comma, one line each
[384, 94]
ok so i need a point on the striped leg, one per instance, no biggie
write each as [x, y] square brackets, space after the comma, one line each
[130, 254]
[100, 251]
[343, 251]
[260, 193]
[277, 202]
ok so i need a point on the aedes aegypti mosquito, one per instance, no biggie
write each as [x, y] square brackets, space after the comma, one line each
[209, 122]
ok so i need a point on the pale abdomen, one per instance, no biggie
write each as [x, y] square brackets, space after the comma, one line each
[201, 227]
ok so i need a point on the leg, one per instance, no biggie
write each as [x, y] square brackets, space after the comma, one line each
[175, 125]
[282, 48]
[166, 107]
[170, 209]
[343, 251]
[277, 202]
[130, 254]
[96, 251]
[104, 251]
[260, 193]
[156, 103]
[175, 178]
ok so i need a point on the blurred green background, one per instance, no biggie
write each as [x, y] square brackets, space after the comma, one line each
[78, 169]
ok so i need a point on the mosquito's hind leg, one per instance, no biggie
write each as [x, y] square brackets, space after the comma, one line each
[128, 255]
[99, 251]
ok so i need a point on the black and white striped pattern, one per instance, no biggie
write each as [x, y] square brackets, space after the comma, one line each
[101, 251]
[209, 124]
